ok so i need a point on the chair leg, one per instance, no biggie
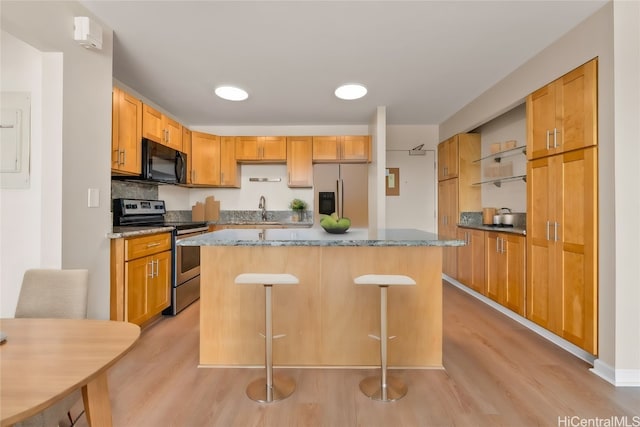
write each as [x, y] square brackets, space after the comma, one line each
[383, 387]
[268, 389]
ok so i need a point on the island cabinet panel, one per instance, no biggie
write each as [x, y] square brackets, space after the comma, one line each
[326, 317]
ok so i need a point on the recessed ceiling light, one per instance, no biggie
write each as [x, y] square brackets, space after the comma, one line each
[231, 93]
[351, 91]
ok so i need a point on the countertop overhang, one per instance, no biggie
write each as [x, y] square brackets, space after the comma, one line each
[498, 228]
[318, 237]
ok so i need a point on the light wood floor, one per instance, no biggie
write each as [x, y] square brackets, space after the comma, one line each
[497, 373]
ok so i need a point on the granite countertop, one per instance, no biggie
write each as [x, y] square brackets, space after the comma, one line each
[129, 231]
[317, 237]
[284, 218]
[501, 228]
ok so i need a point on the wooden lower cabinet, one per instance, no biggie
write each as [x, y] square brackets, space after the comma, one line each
[505, 270]
[140, 277]
[471, 265]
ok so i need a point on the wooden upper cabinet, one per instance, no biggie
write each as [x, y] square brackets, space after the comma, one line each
[205, 164]
[448, 158]
[126, 133]
[228, 165]
[186, 148]
[299, 161]
[563, 115]
[349, 148]
[261, 148]
[160, 128]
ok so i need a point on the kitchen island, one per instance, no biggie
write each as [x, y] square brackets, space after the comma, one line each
[326, 317]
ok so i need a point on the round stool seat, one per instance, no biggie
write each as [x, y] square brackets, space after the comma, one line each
[266, 279]
[384, 280]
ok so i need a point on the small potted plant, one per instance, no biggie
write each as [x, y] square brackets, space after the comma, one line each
[298, 207]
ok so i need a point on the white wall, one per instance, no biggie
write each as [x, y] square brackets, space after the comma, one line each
[416, 206]
[509, 126]
[75, 133]
[619, 354]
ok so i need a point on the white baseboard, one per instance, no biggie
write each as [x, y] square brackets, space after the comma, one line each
[617, 377]
[550, 336]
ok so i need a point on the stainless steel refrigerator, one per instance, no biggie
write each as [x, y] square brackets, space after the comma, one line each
[342, 188]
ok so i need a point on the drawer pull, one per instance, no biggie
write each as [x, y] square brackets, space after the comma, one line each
[153, 245]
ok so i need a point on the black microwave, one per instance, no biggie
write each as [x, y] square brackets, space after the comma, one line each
[163, 164]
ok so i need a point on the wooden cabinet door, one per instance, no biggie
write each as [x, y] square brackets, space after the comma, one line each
[159, 286]
[299, 161]
[247, 148]
[126, 133]
[172, 133]
[471, 259]
[205, 149]
[496, 275]
[577, 105]
[448, 158]
[273, 148]
[325, 148]
[228, 163]
[541, 122]
[543, 305]
[152, 124]
[514, 260]
[576, 246]
[186, 148]
[447, 224]
[136, 275]
[355, 148]
[562, 264]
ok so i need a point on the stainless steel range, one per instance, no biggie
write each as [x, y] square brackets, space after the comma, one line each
[185, 274]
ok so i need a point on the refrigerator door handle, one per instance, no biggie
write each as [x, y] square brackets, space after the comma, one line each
[341, 199]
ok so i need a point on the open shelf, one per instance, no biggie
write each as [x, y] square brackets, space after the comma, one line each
[498, 181]
[502, 154]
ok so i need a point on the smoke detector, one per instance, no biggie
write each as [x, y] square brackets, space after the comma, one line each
[87, 32]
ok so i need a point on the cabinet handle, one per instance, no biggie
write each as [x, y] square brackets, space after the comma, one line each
[555, 231]
[157, 267]
[150, 263]
[555, 138]
[153, 245]
[221, 177]
[548, 134]
[124, 157]
[502, 250]
[548, 237]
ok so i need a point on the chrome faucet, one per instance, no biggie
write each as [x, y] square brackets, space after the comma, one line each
[263, 205]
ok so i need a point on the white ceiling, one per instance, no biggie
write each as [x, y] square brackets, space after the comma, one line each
[423, 60]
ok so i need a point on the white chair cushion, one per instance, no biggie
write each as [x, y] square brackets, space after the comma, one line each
[384, 280]
[266, 279]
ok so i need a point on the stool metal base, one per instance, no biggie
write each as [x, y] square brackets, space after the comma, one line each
[282, 388]
[372, 388]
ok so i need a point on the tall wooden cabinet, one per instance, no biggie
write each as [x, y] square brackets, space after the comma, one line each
[562, 223]
[126, 127]
[456, 192]
[562, 210]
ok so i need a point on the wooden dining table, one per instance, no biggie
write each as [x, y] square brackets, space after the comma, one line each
[44, 360]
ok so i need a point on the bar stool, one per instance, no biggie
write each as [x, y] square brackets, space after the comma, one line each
[269, 389]
[381, 387]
